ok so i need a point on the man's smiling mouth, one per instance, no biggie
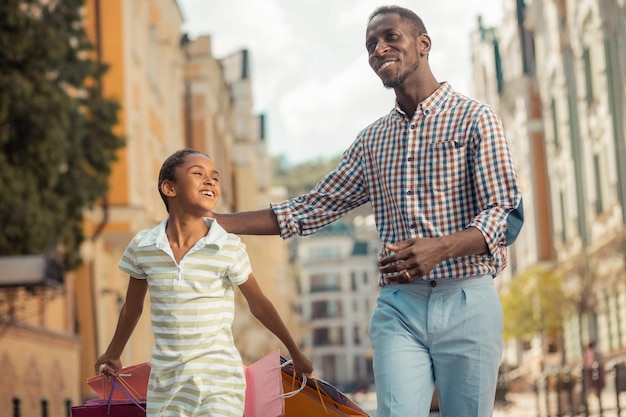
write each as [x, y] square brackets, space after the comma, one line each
[385, 64]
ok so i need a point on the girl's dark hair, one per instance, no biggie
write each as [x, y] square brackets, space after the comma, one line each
[415, 22]
[168, 169]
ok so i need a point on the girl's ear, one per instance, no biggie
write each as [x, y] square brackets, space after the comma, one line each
[167, 187]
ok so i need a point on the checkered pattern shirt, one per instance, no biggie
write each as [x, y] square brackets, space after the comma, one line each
[445, 169]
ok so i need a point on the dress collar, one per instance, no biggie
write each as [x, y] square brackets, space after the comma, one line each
[215, 237]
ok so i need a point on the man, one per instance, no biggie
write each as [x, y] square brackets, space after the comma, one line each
[438, 174]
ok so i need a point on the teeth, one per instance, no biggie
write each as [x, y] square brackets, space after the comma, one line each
[385, 64]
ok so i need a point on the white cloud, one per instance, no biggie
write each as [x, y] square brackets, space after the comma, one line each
[309, 68]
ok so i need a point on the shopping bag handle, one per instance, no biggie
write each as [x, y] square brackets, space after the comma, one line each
[296, 391]
[115, 385]
[304, 382]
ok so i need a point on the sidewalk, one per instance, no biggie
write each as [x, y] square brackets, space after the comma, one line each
[518, 405]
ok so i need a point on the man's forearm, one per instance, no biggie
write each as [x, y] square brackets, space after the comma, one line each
[259, 222]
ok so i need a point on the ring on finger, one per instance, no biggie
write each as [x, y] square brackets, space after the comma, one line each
[407, 275]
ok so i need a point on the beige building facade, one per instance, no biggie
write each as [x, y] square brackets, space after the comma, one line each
[173, 94]
[561, 94]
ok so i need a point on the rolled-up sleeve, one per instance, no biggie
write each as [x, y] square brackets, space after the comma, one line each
[496, 184]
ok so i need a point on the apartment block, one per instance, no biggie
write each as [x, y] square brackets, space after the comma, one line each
[338, 282]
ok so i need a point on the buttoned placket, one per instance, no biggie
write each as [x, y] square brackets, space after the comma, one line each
[411, 141]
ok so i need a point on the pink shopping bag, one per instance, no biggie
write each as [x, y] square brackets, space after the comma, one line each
[134, 378]
[264, 387]
[122, 396]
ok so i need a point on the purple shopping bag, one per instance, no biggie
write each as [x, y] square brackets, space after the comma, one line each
[103, 410]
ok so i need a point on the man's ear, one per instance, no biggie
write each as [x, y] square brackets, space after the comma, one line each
[167, 188]
[424, 44]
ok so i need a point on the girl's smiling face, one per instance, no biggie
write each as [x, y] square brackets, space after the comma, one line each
[196, 187]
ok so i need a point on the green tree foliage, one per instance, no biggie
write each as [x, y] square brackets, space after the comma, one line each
[535, 303]
[299, 179]
[56, 138]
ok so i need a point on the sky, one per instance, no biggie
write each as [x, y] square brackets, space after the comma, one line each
[310, 74]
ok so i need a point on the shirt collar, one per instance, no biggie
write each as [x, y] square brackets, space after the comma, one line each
[215, 237]
[429, 105]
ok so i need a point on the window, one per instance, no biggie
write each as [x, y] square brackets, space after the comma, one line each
[324, 282]
[597, 171]
[323, 252]
[555, 125]
[328, 336]
[588, 76]
[357, 335]
[563, 219]
[326, 309]
[153, 57]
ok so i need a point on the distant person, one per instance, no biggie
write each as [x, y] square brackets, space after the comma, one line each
[439, 176]
[190, 266]
[593, 369]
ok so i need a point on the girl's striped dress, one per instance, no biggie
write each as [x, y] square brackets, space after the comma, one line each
[196, 368]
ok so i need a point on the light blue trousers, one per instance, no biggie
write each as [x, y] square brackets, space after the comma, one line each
[449, 334]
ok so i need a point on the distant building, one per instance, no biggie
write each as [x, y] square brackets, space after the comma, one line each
[338, 285]
[555, 70]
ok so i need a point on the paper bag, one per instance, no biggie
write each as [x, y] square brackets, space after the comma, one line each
[317, 399]
[265, 396]
[103, 410]
[133, 378]
[122, 396]
[264, 388]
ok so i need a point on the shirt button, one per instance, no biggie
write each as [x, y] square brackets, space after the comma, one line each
[426, 112]
[412, 226]
[409, 159]
[433, 284]
[409, 192]
[412, 126]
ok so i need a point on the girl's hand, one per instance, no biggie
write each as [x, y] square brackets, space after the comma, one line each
[106, 365]
[301, 364]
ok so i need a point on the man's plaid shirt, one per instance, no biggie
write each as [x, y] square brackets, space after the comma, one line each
[444, 170]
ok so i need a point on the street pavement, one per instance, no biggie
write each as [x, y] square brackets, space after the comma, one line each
[517, 405]
[522, 404]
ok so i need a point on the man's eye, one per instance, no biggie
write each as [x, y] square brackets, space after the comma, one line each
[215, 179]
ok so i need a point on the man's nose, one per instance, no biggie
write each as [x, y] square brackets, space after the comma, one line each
[381, 48]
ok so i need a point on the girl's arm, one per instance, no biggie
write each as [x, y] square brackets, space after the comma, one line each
[263, 309]
[129, 316]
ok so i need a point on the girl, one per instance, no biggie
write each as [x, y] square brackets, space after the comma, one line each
[190, 265]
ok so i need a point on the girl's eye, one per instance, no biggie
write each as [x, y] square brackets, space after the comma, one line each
[216, 179]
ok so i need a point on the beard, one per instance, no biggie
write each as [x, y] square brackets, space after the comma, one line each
[397, 82]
